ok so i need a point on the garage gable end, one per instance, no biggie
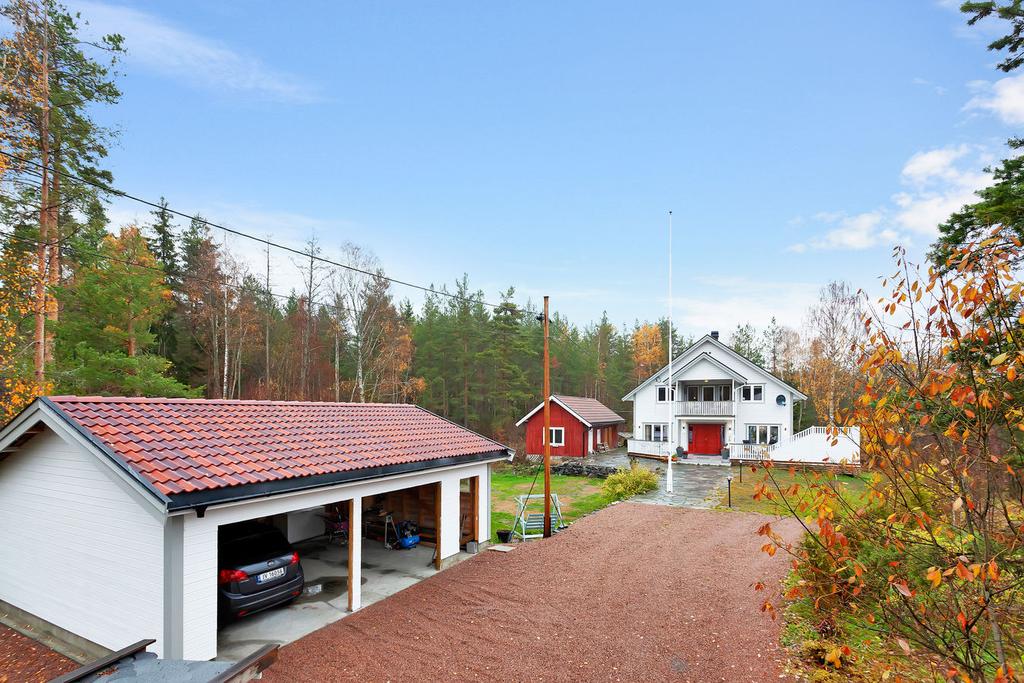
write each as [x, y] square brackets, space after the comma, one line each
[79, 540]
[41, 417]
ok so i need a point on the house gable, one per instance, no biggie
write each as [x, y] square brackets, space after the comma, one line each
[722, 354]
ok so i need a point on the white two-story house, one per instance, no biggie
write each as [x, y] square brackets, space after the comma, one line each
[723, 404]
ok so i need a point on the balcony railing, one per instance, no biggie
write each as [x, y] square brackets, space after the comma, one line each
[706, 408]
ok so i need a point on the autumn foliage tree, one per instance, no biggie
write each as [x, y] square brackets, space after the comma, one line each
[935, 556]
[647, 351]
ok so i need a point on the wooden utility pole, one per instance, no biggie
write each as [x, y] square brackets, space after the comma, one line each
[547, 428]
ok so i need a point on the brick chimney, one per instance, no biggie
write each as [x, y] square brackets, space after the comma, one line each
[714, 334]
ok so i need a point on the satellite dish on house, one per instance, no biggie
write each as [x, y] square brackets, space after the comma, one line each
[780, 399]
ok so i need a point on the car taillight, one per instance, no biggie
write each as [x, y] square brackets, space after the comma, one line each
[295, 558]
[232, 575]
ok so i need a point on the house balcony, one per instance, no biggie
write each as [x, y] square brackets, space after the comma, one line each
[705, 408]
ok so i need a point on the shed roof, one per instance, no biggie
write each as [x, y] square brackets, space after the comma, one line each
[590, 411]
[185, 446]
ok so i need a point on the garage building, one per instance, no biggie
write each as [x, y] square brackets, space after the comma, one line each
[110, 507]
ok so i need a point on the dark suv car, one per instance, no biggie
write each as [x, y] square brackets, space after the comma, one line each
[258, 569]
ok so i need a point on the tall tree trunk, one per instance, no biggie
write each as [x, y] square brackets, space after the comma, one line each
[465, 383]
[337, 367]
[53, 267]
[360, 376]
[131, 338]
[266, 333]
[44, 215]
[214, 375]
[224, 382]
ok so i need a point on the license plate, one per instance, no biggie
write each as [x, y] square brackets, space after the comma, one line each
[271, 575]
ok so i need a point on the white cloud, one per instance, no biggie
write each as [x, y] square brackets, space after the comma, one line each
[154, 43]
[936, 164]
[857, 232]
[1004, 98]
[938, 182]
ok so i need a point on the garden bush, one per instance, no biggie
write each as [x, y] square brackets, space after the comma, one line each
[628, 483]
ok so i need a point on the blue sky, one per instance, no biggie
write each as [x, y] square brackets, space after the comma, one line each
[540, 145]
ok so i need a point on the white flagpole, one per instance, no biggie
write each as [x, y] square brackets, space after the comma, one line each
[671, 397]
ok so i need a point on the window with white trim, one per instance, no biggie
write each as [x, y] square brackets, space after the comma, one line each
[663, 393]
[557, 436]
[763, 434]
[752, 393]
[656, 432]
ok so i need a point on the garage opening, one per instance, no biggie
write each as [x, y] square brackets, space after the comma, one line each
[397, 534]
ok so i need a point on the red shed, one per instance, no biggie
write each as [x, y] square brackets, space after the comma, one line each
[578, 426]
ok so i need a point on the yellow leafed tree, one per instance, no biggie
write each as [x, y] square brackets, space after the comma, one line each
[647, 353]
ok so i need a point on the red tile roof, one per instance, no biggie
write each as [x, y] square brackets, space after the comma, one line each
[187, 445]
[590, 409]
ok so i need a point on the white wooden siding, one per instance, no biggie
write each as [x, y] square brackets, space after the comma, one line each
[647, 410]
[80, 549]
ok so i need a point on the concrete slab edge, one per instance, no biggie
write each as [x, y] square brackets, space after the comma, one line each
[59, 640]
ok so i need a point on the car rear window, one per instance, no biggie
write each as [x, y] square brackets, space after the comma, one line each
[253, 547]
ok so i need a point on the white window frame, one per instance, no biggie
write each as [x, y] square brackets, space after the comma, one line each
[748, 390]
[768, 429]
[558, 432]
[662, 428]
[724, 389]
[658, 393]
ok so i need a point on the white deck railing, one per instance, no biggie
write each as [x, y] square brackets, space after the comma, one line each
[813, 445]
[711, 408]
[641, 447]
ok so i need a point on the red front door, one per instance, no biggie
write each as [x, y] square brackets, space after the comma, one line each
[706, 439]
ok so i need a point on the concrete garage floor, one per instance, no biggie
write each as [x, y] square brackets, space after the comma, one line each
[325, 599]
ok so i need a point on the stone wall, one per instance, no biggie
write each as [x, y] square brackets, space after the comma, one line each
[580, 469]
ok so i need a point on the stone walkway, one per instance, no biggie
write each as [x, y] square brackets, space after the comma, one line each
[694, 486]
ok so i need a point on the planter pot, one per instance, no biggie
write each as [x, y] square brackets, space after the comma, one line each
[504, 535]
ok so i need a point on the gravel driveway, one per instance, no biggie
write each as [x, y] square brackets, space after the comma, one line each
[630, 593]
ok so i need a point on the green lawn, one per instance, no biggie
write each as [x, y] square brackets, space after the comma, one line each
[746, 480]
[577, 495]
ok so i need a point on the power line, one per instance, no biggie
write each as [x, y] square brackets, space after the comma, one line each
[222, 283]
[233, 231]
[261, 240]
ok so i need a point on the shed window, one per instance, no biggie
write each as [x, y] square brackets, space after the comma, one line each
[557, 436]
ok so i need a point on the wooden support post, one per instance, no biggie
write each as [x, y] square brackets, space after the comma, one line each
[437, 525]
[474, 506]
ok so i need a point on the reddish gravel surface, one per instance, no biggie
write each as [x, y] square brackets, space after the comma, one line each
[633, 592]
[23, 659]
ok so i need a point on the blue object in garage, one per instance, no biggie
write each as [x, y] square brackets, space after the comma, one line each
[407, 542]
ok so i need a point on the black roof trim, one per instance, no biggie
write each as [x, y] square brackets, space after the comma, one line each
[232, 494]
